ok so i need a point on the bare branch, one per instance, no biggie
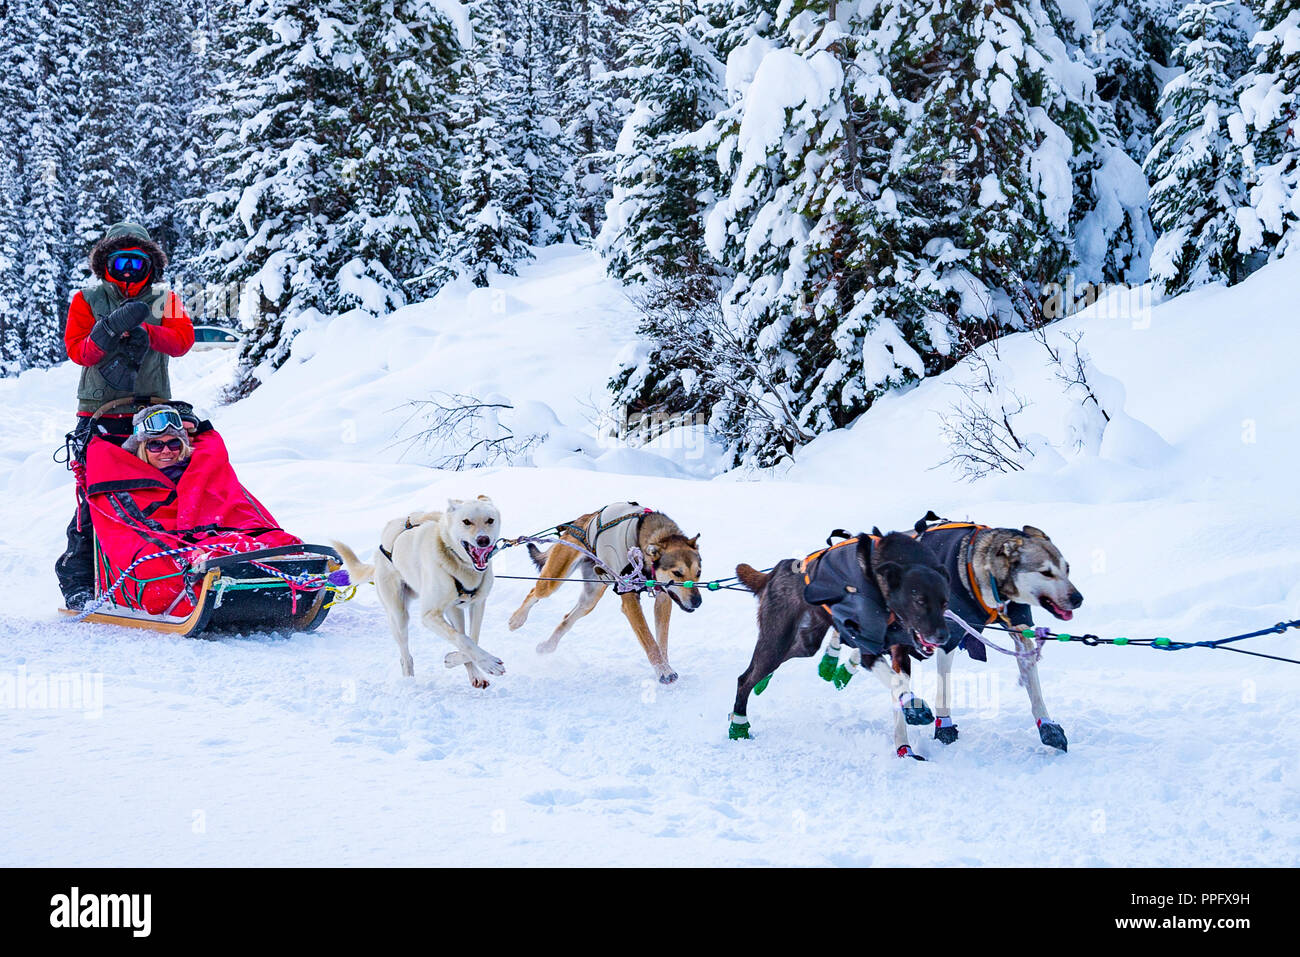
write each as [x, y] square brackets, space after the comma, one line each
[468, 424]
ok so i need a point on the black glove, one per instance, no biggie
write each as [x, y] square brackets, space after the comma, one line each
[127, 317]
[120, 367]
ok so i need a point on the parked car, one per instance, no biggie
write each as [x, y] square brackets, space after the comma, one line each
[215, 337]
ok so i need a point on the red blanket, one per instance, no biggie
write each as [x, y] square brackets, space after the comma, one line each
[138, 511]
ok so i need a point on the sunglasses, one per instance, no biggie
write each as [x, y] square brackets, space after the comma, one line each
[159, 421]
[157, 445]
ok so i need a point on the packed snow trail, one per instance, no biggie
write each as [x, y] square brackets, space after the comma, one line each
[313, 749]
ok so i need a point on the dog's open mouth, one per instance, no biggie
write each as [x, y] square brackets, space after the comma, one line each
[1062, 613]
[925, 647]
[478, 554]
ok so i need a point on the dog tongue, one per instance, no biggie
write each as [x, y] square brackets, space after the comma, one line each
[479, 554]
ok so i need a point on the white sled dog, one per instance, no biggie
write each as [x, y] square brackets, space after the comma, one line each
[443, 561]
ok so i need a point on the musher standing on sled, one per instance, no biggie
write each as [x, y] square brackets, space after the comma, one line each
[121, 330]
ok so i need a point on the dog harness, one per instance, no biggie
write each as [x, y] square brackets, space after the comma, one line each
[461, 590]
[611, 535]
[953, 544]
[835, 580]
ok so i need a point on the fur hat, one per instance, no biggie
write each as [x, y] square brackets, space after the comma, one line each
[126, 236]
[133, 442]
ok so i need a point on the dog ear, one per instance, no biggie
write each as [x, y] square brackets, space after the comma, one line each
[453, 502]
[1035, 533]
[484, 498]
[695, 541]
[1011, 547]
[891, 573]
[653, 552]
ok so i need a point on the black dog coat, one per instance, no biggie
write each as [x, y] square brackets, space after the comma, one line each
[835, 579]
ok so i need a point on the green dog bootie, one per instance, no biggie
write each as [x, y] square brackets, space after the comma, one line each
[739, 729]
[826, 667]
[842, 675]
[762, 685]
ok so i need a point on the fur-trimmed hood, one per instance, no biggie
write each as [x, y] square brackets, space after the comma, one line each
[127, 236]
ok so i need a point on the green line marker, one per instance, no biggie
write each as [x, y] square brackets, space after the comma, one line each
[1119, 641]
[1161, 642]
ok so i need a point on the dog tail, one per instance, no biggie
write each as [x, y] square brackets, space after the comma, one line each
[752, 578]
[537, 555]
[358, 572]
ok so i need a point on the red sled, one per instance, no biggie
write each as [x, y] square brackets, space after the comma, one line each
[198, 554]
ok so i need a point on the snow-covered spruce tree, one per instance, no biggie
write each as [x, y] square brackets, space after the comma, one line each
[671, 370]
[807, 229]
[1196, 175]
[1110, 229]
[398, 162]
[520, 37]
[587, 99]
[16, 72]
[47, 257]
[1131, 47]
[489, 237]
[164, 39]
[272, 226]
[654, 221]
[1269, 136]
[109, 167]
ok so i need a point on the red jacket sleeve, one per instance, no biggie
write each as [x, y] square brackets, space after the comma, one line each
[76, 335]
[176, 333]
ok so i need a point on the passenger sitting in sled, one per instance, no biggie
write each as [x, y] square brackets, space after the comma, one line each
[161, 437]
[167, 498]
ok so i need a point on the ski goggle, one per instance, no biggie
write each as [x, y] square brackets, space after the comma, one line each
[157, 445]
[129, 265]
[159, 421]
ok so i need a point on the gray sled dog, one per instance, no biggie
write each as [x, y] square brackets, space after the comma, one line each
[883, 594]
[998, 574]
[442, 562]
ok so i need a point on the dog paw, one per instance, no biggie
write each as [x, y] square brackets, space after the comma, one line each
[517, 620]
[1052, 735]
[479, 682]
[762, 685]
[455, 658]
[916, 711]
[545, 648]
[739, 730]
[841, 676]
[826, 667]
[906, 752]
[668, 678]
[944, 734]
[493, 666]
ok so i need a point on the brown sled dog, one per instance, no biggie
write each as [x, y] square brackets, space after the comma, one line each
[668, 554]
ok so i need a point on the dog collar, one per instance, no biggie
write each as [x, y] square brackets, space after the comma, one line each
[993, 611]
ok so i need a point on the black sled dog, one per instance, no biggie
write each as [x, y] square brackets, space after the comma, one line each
[884, 594]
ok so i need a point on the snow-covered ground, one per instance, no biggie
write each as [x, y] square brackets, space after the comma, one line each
[1179, 519]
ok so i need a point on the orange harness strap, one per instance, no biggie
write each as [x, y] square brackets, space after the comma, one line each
[993, 613]
[808, 560]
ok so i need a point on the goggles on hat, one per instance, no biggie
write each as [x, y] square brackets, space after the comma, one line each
[129, 265]
[159, 421]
